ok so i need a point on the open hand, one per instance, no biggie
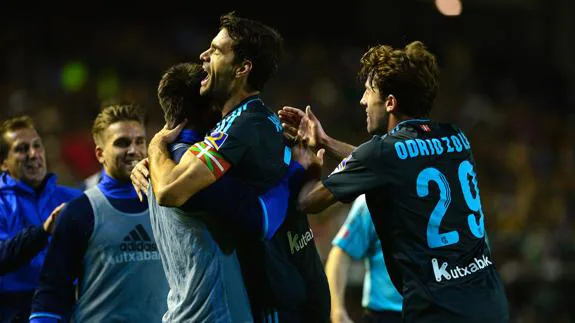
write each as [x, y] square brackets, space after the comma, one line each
[166, 135]
[304, 125]
[140, 177]
[50, 223]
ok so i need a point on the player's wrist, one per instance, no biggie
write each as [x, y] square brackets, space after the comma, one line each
[156, 146]
[313, 172]
[158, 141]
[338, 313]
[323, 141]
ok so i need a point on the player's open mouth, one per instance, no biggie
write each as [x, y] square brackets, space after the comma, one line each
[33, 168]
[205, 80]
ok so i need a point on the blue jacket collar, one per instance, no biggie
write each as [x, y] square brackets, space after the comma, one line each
[116, 189]
[8, 183]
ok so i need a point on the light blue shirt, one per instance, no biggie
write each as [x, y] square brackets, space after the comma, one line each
[357, 237]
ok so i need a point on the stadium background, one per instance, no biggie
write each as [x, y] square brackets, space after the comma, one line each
[508, 79]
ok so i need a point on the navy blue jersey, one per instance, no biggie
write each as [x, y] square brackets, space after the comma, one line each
[250, 138]
[284, 275]
[422, 192]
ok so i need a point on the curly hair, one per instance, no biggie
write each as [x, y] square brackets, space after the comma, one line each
[112, 114]
[410, 74]
[259, 43]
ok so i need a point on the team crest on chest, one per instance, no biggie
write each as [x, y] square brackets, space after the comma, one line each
[216, 139]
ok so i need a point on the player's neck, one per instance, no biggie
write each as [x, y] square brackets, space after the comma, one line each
[235, 99]
[197, 129]
[394, 120]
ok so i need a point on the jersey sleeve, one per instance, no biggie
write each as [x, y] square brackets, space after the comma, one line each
[21, 248]
[54, 297]
[233, 139]
[363, 170]
[354, 236]
[226, 146]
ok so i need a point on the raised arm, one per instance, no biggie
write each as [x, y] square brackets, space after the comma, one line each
[307, 127]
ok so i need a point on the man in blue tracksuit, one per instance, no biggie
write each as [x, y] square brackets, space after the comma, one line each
[29, 200]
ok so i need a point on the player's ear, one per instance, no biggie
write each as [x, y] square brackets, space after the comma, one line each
[99, 154]
[390, 103]
[244, 68]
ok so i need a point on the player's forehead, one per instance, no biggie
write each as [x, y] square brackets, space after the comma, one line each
[370, 84]
[367, 83]
[222, 41]
[129, 129]
[21, 135]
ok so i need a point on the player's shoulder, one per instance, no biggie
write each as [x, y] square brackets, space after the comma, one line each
[77, 208]
[251, 113]
[377, 145]
[252, 107]
[448, 128]
[411, 128]
[256, 112]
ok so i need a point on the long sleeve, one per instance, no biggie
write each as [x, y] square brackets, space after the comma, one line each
[21, 248]
[54, 298]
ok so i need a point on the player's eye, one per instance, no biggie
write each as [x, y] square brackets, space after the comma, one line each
[122, 142]
[22, 148]
[37, 145]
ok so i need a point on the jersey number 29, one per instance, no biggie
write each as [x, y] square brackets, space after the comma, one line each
[477, 228]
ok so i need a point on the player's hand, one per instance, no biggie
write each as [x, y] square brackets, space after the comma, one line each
[304, 125]
[167, 135]
[140, 178]
[50, 223]
[340, 316]
[290, 118]
[312, 162]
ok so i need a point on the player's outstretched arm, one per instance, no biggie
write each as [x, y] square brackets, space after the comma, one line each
[314, 197]
[307, 127]
[173, 184]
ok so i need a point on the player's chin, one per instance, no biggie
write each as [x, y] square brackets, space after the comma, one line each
[126, 170]
[368, 128]
[204, 89]
[35, 177]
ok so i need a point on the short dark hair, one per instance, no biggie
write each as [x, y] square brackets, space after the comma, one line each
[410, 74]
[112, 114]
[12, 124]
[179, 93]
[259, 43]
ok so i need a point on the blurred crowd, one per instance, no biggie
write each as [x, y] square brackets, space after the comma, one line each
[518, 122]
